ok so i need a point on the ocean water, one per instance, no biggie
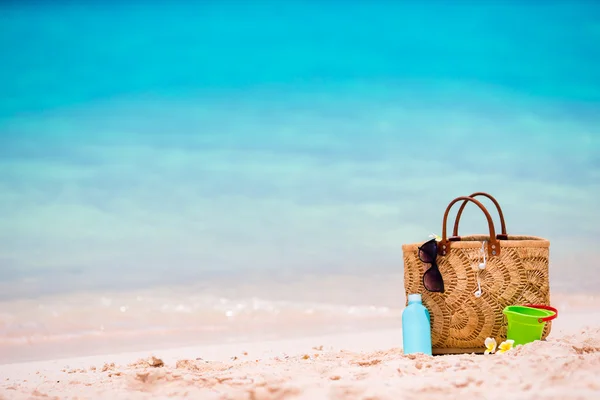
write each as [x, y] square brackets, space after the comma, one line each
[150, 147]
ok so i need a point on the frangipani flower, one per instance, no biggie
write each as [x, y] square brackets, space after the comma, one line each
[506, 346]
[437, 238]
[490, 345]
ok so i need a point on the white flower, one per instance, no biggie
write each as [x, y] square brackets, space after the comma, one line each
[490, 345]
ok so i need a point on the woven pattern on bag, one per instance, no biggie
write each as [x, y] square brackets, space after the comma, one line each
[459, 320]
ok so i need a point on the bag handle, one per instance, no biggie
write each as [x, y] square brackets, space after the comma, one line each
[493, 245]
[502, 236]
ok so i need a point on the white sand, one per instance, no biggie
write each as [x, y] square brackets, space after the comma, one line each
[367, 365]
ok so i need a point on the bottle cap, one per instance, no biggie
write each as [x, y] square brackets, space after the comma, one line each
[414, 297]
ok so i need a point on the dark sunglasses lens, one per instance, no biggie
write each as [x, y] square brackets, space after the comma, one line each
[432, 280]
[428, 252]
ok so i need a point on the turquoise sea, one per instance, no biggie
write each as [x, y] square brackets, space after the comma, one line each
[148, 143]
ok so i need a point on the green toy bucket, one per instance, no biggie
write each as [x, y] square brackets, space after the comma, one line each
[526, 323]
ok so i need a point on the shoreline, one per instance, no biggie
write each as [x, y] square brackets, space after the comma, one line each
[574, 310]
[385, 338]
[568, 323]
[92, 347]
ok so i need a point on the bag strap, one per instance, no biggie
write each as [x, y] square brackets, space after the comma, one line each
[501, 236]
[493, 244]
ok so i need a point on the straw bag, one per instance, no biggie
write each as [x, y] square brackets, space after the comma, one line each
[516, 272]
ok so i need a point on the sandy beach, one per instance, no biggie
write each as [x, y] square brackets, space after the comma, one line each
[365, 365]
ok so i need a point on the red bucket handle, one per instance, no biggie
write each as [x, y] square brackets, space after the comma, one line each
[544, 307]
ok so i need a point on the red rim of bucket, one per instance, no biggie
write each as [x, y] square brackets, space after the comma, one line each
[544, 307]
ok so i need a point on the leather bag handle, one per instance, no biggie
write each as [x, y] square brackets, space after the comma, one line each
[502, 236]
[493, 244]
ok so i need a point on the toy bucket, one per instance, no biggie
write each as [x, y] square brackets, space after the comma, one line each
[526, 323]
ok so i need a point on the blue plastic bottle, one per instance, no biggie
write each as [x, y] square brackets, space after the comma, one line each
[416, 326]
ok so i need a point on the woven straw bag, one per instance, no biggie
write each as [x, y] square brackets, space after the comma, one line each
[516, 273]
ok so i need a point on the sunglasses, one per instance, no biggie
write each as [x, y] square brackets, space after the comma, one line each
[432, 278]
